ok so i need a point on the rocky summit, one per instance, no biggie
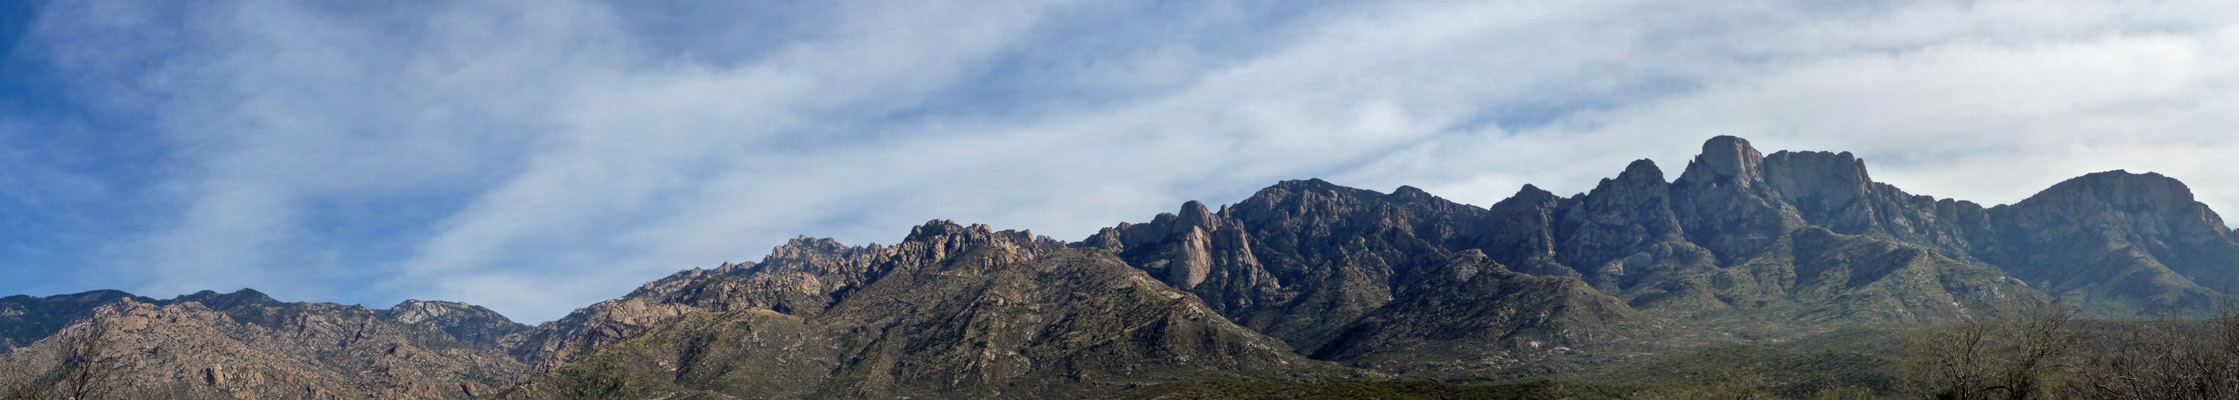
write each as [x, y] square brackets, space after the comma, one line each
[1305, 282]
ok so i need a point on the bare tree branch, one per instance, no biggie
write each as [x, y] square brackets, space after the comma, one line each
[88, 369]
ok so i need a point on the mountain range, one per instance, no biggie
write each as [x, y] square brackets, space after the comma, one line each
[1304, 281]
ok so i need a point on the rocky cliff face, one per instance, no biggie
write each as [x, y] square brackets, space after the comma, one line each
[1724, 204]
[1298, 261]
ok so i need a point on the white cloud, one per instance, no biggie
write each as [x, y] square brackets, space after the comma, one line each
[538, 156]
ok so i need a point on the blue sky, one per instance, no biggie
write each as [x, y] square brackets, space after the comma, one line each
[537, 156]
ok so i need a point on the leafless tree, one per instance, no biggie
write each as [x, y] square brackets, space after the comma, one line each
[2167, 359]
[87, 368]
[2020, 354]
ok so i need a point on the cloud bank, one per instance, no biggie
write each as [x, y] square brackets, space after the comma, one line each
[536, 156]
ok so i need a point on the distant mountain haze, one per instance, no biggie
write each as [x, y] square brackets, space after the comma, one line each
[1304, 281]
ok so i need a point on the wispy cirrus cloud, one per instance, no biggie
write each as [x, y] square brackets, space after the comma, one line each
[539, 156]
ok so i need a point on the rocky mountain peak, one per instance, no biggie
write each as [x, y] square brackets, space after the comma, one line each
[1411, 193]
[416, 311]
[216, 301]
[805, 245]
[1306, 193]
[1641, 180]
[2120, 189]
[951, 236]
[1642, 170]
[1305, 184]
[1195, 214]
[2148, 204]
[934, 229]
[1725, 160]
[1723, 204]
[797, 254]
[1530, 194]
[1833, 189]
[1311, 204]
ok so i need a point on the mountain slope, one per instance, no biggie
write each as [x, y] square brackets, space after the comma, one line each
[246, 345]
[1475, 319]
[952, 311]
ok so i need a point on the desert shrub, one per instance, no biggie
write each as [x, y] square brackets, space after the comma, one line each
[2165, 359]
[2021, 353]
